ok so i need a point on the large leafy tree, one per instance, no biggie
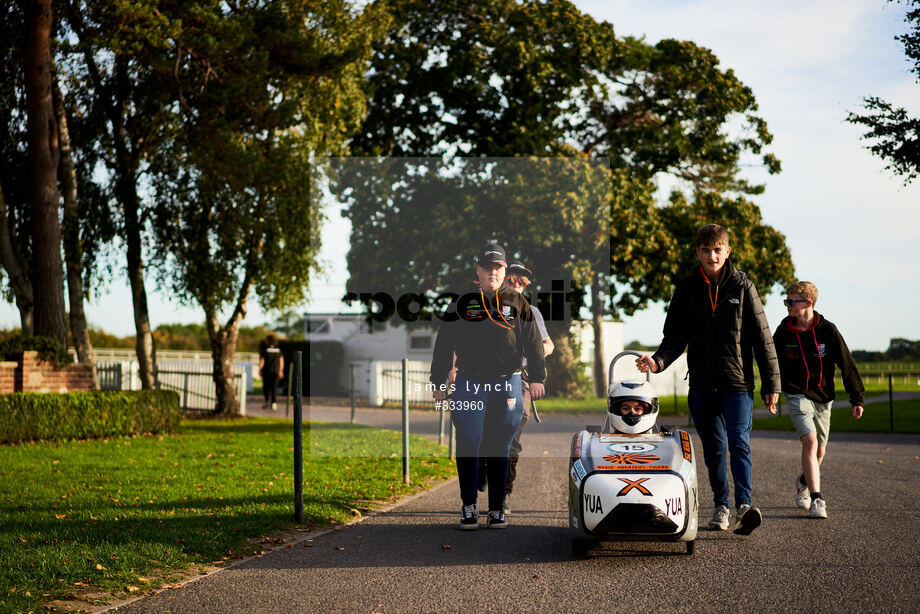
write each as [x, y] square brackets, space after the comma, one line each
[15, 214]
[540, 78]
[894, 133]
[261, 90]
[15, 220]
[125, 114]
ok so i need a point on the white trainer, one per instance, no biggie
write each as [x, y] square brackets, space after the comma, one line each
[802, 495]
[719, 520]
[818, 509]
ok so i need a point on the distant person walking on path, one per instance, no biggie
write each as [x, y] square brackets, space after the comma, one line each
[809, 347]
[517, 277]
[716, 314]
[271, 367]
[491, 329]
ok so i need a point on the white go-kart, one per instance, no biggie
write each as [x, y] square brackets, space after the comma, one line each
[630, 480]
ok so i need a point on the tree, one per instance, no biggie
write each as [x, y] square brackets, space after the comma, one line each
[895, 133]
[73, 247]
[15, 215]
[261, 89]
[506, 78]
[47, 271]
[128, 116]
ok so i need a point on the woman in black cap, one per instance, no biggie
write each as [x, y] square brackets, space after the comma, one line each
[491, 329]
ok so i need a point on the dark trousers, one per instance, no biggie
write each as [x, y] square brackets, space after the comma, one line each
[269, 386]
[515, 450]
[486, 413]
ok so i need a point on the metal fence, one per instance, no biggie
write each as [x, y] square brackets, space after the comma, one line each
[193, 381]
[386, 386]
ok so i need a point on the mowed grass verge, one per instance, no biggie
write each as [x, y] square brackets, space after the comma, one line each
[93, 520]
[876, 419]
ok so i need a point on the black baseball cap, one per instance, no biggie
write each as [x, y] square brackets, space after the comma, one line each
[518, 268]
[491, 253]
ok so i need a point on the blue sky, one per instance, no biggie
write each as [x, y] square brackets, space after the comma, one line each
[852, 227]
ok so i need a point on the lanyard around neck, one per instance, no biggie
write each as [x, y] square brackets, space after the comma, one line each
[498, 306]
[712, 301]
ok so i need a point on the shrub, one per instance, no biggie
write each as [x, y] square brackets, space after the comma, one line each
[27, 416]
[49, 350]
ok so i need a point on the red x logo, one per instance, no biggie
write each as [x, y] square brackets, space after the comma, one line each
[637, 484]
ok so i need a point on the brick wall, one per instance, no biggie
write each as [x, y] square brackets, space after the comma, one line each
[29, 374]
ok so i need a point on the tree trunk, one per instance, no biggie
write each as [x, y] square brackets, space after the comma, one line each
[47, 270]
[17, 269]
[126, 164]
[597, 317]
[223, 344]
[73, 248]
[564, 370]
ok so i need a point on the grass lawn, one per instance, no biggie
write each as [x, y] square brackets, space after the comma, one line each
[876, 419]
[87, 520]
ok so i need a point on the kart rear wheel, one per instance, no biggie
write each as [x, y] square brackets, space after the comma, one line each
[691, 546]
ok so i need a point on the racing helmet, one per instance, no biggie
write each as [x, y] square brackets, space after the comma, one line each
[632, 423]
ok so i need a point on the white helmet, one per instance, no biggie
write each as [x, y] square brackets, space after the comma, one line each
[637, 391]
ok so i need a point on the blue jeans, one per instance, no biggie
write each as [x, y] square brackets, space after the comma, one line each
[485, 426]
[721, 416]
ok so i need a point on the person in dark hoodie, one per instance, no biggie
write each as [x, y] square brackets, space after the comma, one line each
[491, 329]
[716, 314]
[809, 347]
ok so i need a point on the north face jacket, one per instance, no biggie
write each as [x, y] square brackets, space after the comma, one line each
[723, 328]
[807, 361]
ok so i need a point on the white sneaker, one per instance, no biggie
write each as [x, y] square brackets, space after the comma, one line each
[802, 495]
[274, 407]
[818, 509]
[719, 520]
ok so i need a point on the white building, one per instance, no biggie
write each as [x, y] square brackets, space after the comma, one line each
[365, 343]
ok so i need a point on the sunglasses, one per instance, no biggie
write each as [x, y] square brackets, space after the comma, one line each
[518, 282]
[790, 302]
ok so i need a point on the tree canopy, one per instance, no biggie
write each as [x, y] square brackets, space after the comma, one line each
[894, 133]
[496, 78]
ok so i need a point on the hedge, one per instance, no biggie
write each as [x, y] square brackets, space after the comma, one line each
[27, 416]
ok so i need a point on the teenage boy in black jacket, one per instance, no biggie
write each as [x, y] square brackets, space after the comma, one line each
[716, 314]
[809, 347]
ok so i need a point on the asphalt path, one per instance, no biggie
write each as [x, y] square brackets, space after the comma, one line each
[413, 558]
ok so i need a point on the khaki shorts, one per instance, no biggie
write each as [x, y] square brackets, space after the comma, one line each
[810, 417]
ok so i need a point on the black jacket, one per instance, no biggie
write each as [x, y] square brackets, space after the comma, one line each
[491, 339]
[807, 360]
[721, 341]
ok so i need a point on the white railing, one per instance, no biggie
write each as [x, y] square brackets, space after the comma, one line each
[194, 381]
[386, 382]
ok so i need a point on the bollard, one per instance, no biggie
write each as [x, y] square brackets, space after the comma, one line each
[298, 437]
[287, 397]
[405, 418]
[675, 393]
[891, 402]
[441, 425]
[352, 393]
